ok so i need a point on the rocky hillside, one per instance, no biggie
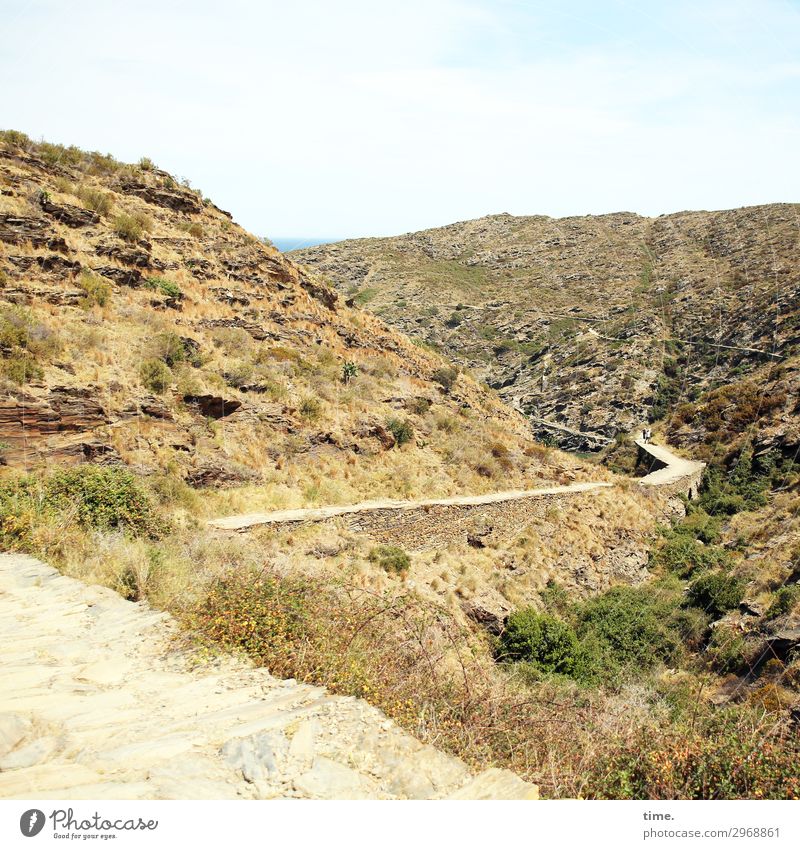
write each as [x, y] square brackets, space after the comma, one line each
[590, 324]
[139, 325]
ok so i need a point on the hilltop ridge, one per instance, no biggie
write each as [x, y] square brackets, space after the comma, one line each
[590, 324]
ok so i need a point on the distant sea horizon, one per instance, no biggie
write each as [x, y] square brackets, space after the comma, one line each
[294, 243]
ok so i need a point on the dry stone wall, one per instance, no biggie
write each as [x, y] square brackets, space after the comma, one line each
[441, 525]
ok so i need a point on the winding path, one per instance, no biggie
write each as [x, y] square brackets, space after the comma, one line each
[675, 472]
[318, 514]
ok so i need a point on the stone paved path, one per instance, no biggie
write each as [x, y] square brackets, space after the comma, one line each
[675, 468]
[97, 702]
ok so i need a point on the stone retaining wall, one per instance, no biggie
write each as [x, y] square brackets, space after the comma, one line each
[440, 525]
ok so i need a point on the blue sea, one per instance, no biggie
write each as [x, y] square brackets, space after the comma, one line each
[294, 243]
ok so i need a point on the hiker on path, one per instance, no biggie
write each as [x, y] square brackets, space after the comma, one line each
[644, 435]
[648, 435]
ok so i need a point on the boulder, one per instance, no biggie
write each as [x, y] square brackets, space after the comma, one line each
[213, 406]
[219, 474]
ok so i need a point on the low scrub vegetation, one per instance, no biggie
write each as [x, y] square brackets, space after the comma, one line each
[96, 291]
[432, 676]
[391, 558]
[168, 288]
[401, 429]
[95, 199]
[132, 227]
[94, 497]
[25, 344]
[155, 374]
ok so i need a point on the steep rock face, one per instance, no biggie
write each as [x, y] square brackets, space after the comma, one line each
[589, 325]
[32, 425]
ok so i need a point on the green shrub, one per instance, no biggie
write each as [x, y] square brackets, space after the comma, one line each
[98, 497]
[547, 643]
[239, 374]
[100, 202]
[104, 497]
[147, 164]
[784, 601]
[349, 371]
[155, 374]
[631, 627]
[167, 287]
[743, 486]
[131, 228]
[401, 429]
[691, 625]
[701, 526]
[391, 558]
[102, 163]
[169, 347]
[19, 329]
[445, 377]
[715, 593]
[14, 138]
[555, 598]
[57, 154]
[23, 342]
[310, 408]
[21, 368]
[96, 290]
[726, 650]
[682, 554]
[364, 296]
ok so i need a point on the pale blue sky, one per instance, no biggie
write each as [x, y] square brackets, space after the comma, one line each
[366, 117]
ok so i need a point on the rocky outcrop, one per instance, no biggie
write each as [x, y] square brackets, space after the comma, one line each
[213, 406]
[220, 474]
[174, 199]
[49, 264]
[319, 291]
[35, 427]
[64, 213]
[20, 230]
[568, 438]
[135, 255]
[121, 276]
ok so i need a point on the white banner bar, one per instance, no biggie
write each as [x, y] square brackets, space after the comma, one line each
[387, 825]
